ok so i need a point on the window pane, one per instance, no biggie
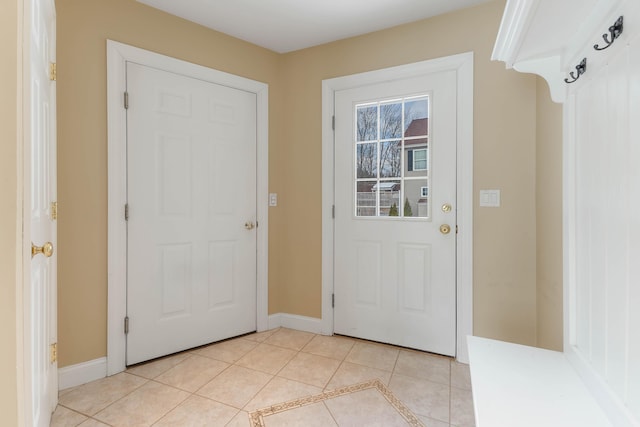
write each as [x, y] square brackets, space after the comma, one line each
[367, 160]
[416, 158]
[367, 129]
[390, 161]
[416, 113]
[389, 198]
[366, 197]
[392, 158]
[391, 121]
[416, 201]
[419, 160]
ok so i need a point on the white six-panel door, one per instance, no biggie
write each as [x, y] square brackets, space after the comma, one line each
[40, 291]
[191, 182]
[395, 267]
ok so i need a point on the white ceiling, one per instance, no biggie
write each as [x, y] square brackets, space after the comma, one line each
[288, 25]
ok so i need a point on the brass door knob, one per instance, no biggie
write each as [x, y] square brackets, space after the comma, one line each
[249, 225]
[446, 207]
[46, 249]
[445, 229]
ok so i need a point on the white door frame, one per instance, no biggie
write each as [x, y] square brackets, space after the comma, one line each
[463, 65]
[117, 56]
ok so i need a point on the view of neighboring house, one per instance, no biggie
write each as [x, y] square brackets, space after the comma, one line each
[391, 184]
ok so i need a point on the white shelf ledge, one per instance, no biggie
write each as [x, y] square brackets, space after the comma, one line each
[516, 385]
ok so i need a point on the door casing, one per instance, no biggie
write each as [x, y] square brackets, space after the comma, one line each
[463, 65]
[117, 56]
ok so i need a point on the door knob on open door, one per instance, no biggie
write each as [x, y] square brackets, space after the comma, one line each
[445, 229]
[249, 225]
[46, 249]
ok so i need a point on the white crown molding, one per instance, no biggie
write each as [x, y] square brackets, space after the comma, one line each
[549, 38]
[515, 22]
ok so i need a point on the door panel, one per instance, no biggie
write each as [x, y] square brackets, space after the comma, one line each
[395, 167]
[191, 182]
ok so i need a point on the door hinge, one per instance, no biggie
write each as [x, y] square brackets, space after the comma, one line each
[126, 100]
[456, 228]
[333, 300]
[53, 71]
[333, 211]
[53, 353]
[126, 212]
[333, 122]
[126, 325]
[54, 211]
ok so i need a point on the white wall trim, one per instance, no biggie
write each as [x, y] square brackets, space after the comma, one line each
[82, 373]
[118, 55]
[293, 321]
[463, 65]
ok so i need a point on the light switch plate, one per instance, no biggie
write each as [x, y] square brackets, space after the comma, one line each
[273, 199]
[490, 198]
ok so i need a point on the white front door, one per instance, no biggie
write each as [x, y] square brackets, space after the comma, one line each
[40, 292]
[395, 213]
[191, 183]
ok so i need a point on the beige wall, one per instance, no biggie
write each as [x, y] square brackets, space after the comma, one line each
[549, 219]
[9, 214]
[83, 27]
[504, 156]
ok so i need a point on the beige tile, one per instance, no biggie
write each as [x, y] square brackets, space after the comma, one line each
[421, 396]
[65, 391]
[430, 422]
[267, 358]
[156, 367]
[280, 390]
[350, 373]
[92, 397]
[236, 386]
[192, 373]
[290, 338]
[228, 351]
[373, 355]
[315, 415]
[333, 347]
[424, 365]
[462, 408]
[366, 408]
[240, 420]
[460, 376]
[63, 417]
[261, 336]
[143, 407]
[93, 423]
[310, 369]
[198, 411]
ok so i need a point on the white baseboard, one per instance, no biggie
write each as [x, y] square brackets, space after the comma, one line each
[293, 321]
[82, 373]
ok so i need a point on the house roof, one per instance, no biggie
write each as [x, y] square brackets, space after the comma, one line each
[417, 127]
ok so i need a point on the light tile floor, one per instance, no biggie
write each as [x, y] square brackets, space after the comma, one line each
[219, 384]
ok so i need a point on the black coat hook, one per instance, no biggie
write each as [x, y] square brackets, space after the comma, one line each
[581, 68]
[614, 32]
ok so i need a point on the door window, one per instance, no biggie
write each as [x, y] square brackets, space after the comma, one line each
[391, 168]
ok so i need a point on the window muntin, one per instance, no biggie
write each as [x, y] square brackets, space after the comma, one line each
[392, 158]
